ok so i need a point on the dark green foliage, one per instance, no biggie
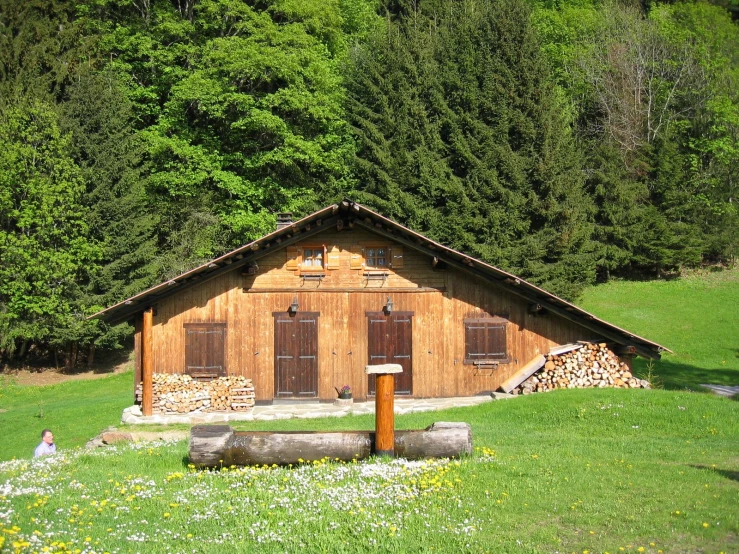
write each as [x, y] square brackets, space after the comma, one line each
[42, 46]
[603, 143]
[462, 136]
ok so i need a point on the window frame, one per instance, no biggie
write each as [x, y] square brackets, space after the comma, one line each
[490, 324]
[313, 268]
[365, 250]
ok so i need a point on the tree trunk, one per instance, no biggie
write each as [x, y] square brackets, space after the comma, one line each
[91, 357]
[219, 445]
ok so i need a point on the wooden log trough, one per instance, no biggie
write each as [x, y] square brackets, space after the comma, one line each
[220, 445]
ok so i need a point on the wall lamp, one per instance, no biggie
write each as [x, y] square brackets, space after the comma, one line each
[389, 305]
[294, 306]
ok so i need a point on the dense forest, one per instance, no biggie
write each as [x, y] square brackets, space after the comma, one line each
[566, 141]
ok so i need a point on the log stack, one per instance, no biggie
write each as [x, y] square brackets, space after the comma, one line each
[181, 394]
[581, 366]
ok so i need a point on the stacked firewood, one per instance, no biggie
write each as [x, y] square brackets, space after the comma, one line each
[583, 365]
[181, 394]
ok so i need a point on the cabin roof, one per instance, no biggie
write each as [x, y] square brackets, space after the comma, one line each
[354, 214]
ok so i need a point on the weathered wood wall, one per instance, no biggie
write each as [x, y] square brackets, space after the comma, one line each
[439, 299]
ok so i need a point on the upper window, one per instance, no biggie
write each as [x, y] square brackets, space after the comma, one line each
[375, 257]
[485, 340]
[312, 258]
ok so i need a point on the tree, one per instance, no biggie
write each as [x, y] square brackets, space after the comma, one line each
[43, 234]
[462, 136]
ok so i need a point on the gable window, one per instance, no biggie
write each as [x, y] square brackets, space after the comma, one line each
[205, 350]
[313, 258]
[375, 257]
[485, 340]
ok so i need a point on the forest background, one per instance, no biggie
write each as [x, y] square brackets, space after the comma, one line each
[566, 141]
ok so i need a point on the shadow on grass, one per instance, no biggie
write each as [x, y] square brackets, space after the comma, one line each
[728, 473]
[678, 376]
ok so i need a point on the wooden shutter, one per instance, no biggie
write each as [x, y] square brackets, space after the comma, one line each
[474, 341]
[357, 259]
[205, 349]
[495, 343]
[396, 257]
[485, 340]
[333, 261]
[293, 258]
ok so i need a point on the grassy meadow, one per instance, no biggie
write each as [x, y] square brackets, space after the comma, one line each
[694, 316]
[590, 470]
[575, 470]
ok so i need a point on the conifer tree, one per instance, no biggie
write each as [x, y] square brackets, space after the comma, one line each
[461, 136]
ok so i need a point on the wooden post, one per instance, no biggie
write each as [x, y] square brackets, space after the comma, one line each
[384, 407]
[147, 361]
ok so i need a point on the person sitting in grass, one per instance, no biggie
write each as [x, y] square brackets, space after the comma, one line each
[47, 445]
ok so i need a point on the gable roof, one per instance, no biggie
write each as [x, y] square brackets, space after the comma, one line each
[351, 214]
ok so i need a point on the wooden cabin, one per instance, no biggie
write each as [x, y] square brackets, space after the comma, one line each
[304, 309]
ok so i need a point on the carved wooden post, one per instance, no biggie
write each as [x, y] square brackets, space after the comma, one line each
[384, 406]
[147, 361]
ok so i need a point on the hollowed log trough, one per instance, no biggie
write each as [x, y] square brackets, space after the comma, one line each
[220, 445]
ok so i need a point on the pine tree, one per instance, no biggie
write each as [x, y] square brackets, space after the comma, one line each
[461, 136]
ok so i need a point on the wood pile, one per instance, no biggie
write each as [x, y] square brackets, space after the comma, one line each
[581, 366]
[181, 394]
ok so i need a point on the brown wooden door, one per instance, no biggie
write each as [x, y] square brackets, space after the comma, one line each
[390, 341]
[296, 355]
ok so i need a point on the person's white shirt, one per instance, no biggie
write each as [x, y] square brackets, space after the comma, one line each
[47, 445]
[43, 449]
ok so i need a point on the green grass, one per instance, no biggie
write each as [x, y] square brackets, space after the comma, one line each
[75, 411]
[695, 317]
[572, 470]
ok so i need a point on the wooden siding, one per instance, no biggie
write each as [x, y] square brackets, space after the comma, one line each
[439, 300]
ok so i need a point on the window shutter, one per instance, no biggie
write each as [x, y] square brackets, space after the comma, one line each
[485, 340]
[496, 341]
[396, 257]
[205, 349]
[474, 340]
[293, 258]
[333, 260]
[357, 259]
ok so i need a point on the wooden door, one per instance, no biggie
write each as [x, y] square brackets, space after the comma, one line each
[390, 341]
[296, 355]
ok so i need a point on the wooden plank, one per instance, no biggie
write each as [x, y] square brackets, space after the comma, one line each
[147, 361]
[524, 373]
[333, 258]
[357, 257]
[397, 260]
[557, 350]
